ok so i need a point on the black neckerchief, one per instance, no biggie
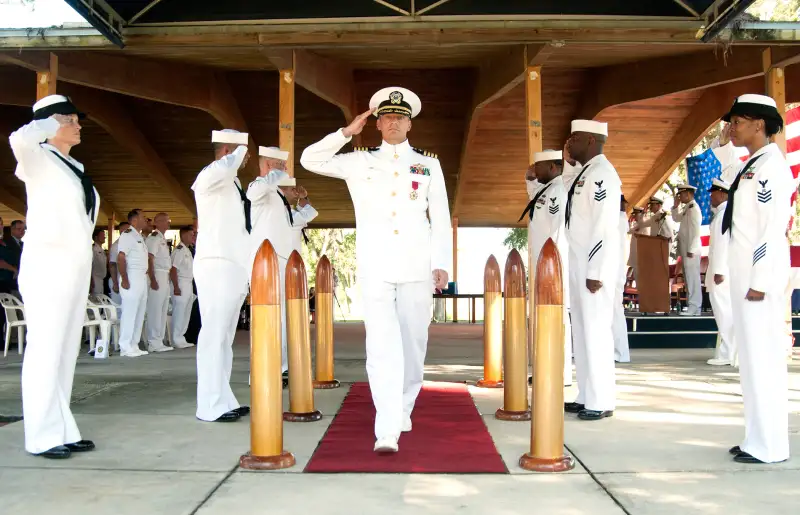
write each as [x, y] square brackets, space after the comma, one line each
[571, 193]
[532, 204]
[246, 205]
[727, 218]
[288, 208]
[86, 184]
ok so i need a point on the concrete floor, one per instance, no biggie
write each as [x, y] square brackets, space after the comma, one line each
[664, 451]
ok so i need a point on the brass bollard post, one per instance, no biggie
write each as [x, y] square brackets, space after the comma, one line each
[547, 427]
[515, 343]
[266, 390]
[324, 326]
[492, 327]
[298, 343]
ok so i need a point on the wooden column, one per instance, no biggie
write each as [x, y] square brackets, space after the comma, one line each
[286, 115]
[533, 108]
[455, 268]
[776, 88]
[46, 80]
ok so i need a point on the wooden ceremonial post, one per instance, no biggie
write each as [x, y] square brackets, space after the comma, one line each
[492, 327]
[515, 339]
[298, 342]
[46, 80]
[286, 114]
[266, 420]
[324, 325]
[547, 399]
[533, 108]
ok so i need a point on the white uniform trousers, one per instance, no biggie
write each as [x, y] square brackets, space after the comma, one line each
[691, 274]
[157, 307]
[720, 297]
[622, 352]
[134, 305]
[396, 318]
[760, 338]
[592, 318]
[55, 308]
[221, 290]
[181, 311]
[284, 355]
[97, 283]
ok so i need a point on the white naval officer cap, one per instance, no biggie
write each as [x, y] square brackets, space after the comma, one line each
[548, 155]
[655, 200]
[719, 185]
[54, 104]
[395, 100]
[590, 126]
[686, 187]
[230, 136]
[273, 153]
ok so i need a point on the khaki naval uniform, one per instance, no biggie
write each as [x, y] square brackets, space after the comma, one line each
[690, 218]
[182, 304]
[221, 272]
[158, 300]
[403, 232]
[759, 259]
[98, 268]
[134, 299]
[55, 303]
[720, 294]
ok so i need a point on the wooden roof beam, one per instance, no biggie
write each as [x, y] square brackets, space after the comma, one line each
[12, 202]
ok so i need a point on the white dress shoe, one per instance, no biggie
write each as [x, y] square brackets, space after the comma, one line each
[160, 348]
[406, 425]
[135, 353]
[182, 345]
[386, 444]
[718, 362]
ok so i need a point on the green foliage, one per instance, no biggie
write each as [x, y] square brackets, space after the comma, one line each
[340, 247]
[517, 239]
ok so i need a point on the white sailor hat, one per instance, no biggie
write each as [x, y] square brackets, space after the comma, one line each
[548, 155]
[590, 126]
[54, 104]
[638, 209]
[655, 200]
[273, 152]
[686, 187]
[231, 136]
[395, 100]
[754, 106]
[719, 185]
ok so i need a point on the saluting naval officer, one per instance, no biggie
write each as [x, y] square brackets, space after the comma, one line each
[546, 214]
[403, 239]
[132, 265]
[592, 221]
[221, 272]
[271, 212]
[718, 280]
[181, 282]
[690, 217]
[158, 275]
[302, 214]
[57, 187]
[756, 218]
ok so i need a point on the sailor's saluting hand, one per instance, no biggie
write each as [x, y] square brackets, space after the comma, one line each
[357, 125]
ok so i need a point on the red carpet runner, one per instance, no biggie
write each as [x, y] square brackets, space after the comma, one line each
[448, 436]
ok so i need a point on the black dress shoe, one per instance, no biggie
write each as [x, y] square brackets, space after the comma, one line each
[574, 407]
[82, 446]
[735, 450]
[285, 383]
[242, 410]
[230, 416]
[60, 452]
[530, 380]
[744, 457]
[590, 414]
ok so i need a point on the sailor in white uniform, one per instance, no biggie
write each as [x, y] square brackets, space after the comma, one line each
[403, 249]
[270, 196]
[181, 287]
[302, 214]
[622, 353]
[690, 217]
[98, 261]
[132, 264]
[113, 281]
[158, 275]
[546, 213]
[718, 280]
[222, 272]
[592, 221]
[756, 219]
[57, 188]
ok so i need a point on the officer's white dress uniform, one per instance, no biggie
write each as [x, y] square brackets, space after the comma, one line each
[55, 303]
[594, 253]
[182, 304]
[759, 259]
[690, 217]
[158, 300]
[403, 233]
[656, 224]
[271, 222]
[98, 268]
[622, 352]
[301, 216]
[221, 273]
[134, 299]
[547, 221]
[720, 294]
[113, 251]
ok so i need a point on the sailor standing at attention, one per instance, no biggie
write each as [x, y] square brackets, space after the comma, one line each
[182, 295]
[57, 187]
[546, 212]
[690, 217]
[592, 221]
[622, 353]
[756, 218]
[403, 240]
[132, 264]
[98, 261]
[718, 279]
[221, 272]
[158, 274]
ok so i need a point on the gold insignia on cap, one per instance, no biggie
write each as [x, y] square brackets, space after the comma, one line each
[395, 97]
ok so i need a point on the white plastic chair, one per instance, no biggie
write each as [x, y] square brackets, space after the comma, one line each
[110, 312]
[93, 320]
[15, 318]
